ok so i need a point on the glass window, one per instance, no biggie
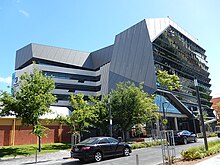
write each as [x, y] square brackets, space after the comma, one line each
[103, 141]
[89, 141]
[112, 140]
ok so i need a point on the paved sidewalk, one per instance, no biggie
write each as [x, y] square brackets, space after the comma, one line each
[60, 157]
[211, 161]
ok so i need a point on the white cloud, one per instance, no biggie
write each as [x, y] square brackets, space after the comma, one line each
[26, 14]
[6, 80]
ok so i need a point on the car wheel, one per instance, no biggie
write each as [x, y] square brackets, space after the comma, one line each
[126, 151]
[98, 156]
[185, 140]
[195, 139]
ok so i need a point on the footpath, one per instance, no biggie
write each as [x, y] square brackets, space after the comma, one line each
[211, 161]
[62, 157]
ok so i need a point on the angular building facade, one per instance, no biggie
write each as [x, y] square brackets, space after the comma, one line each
[136, 54]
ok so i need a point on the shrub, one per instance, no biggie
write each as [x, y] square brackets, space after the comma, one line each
[192, 153]
[209, 135]
[212, 135]
[199, 152]
[137, 145]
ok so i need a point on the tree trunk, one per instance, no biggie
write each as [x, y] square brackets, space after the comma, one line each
[39, 143]
[124, 132]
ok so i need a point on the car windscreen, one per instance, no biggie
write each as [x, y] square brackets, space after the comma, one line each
[89, 141]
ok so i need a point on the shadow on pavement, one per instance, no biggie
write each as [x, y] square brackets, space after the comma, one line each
[72, 163]
[43, 161]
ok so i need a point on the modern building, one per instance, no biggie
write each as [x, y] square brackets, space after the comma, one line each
[136, 54]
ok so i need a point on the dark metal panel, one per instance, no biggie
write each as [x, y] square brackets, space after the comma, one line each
[61, 55]
[132, 53]
[104, 70]
[115, 79]
[140, 54]
[23, 55]
[99, 57]
[127, 65]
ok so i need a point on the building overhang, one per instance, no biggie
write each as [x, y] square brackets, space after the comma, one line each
[176, 102]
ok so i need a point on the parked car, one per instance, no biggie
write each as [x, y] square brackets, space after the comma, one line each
[98, 148]
[184, 136]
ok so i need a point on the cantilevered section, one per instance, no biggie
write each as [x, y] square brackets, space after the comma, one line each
[25, 55]
[176, 102]
[156, 26]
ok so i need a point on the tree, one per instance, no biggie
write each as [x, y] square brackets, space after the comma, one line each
[130, 105]
[168, 81]
[30, 101]
[82, 117]
[100, 108]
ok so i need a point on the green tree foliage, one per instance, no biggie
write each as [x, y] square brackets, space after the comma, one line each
[30, 101]
[168, 81]
[100, 108]
[130, 105]
[82, 117]
[138, 129]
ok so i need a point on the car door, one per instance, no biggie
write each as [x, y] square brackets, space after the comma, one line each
[191, 137]
[105, 146]
[188, 135]
[117, 148]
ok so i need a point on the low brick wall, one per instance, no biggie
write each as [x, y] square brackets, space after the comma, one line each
[12, 132]
[5, 134]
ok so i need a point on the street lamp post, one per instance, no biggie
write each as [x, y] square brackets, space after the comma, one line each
[110, 116]
[201, 114]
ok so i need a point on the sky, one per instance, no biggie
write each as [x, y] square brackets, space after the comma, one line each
[88, 25]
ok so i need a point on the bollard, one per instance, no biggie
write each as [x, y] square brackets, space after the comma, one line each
[36, 156]
[137, 160]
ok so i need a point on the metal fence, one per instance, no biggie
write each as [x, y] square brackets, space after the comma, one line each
[167, 146]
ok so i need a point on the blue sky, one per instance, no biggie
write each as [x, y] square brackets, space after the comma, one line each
[88, 25]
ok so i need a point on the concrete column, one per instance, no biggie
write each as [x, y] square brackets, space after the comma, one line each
[176, 123]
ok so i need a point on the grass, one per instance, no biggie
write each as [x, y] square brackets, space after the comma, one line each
[25, 150]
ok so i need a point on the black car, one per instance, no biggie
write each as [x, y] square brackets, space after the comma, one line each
[183, 137]
[97, 148]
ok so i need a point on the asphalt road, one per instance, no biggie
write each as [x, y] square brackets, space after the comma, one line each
[146, 156]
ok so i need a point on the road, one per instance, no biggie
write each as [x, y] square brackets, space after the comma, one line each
[146, 156]
[149, 156]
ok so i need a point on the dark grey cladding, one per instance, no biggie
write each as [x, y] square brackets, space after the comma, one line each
[100, 57]
[118, 78]
[23, 55]
[50, 53]
[132, 58]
